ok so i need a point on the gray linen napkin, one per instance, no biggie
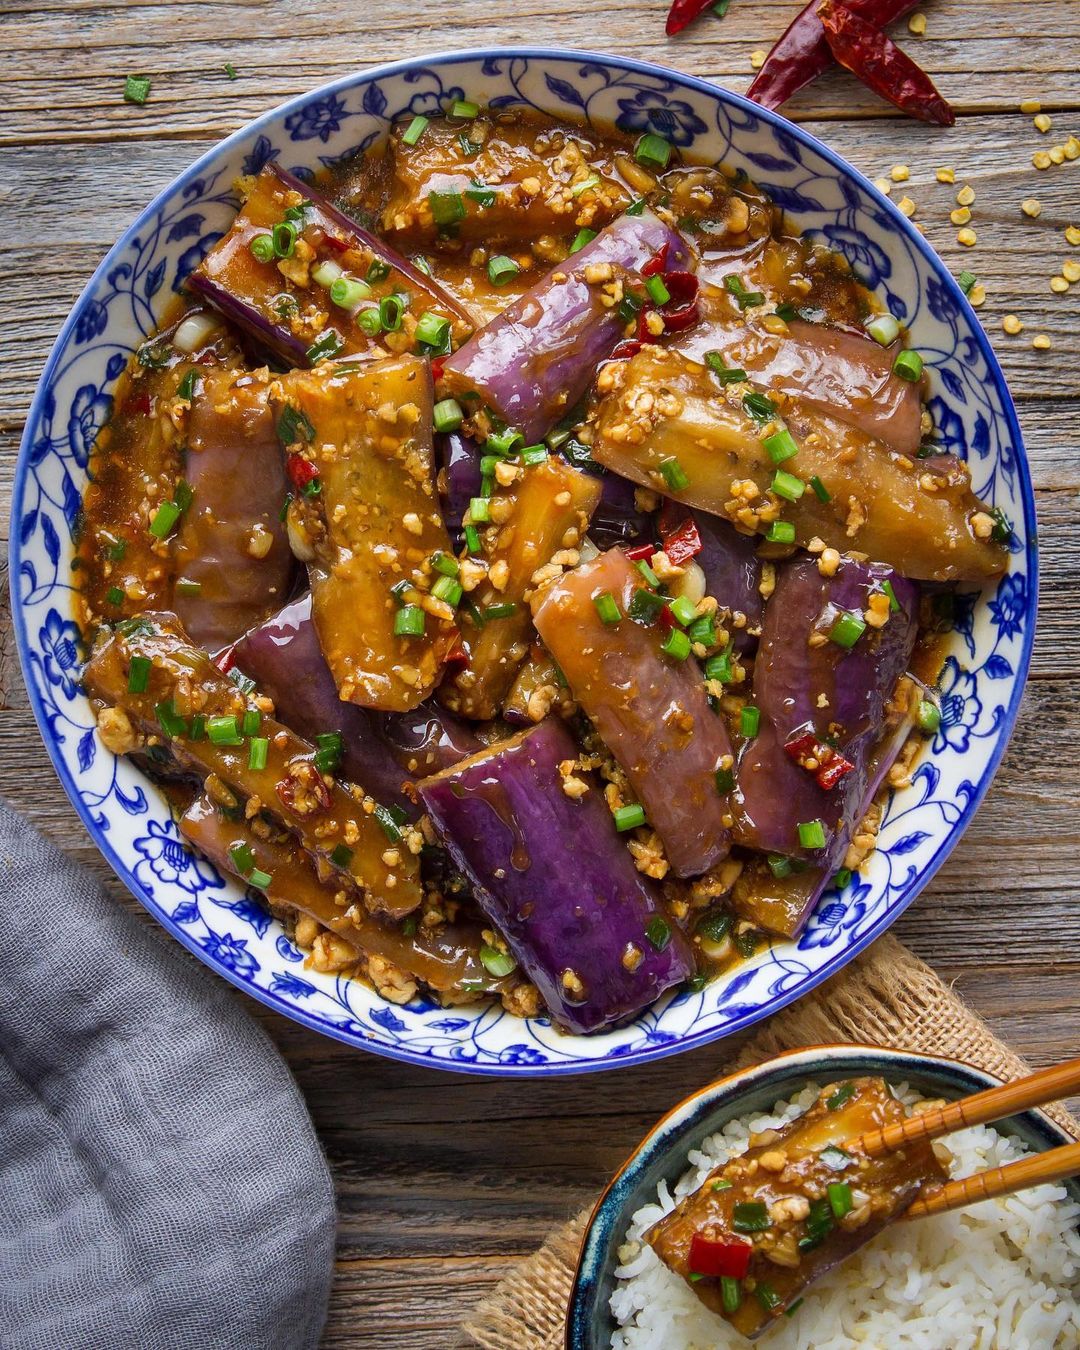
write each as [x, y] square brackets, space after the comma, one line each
[161, 1184]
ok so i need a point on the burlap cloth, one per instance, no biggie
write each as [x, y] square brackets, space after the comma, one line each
[886, 997]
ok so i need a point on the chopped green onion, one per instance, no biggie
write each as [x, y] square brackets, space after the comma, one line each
[532, 455]
[702, 630]
[186, 388]
[585, 185]
[257, 752]
[432, 329]
[794, 1308]
[725, 780]
[137, 89]
[250, 722]
[894, 604]
[718, 667]
[724, 373]
[841, 878]
[658, 292]
[501, 268]
[750, 1216]
[378, 270]
[629, 305]
[415, 130]
[767, 1296]
[487, 470]
[843, 1093]
[780, 446]
[967, 281]
[114, 595]
[229, 70]
[730, 1288]
[502, 611]
[326, 273]
[676, 645]
[744, 298]
[651, 579]
[472, 541]
[347, 292]
[673, 474]
[750, 720]
[658, 932]
[908, 365]
[1002, 531]
[781, 532]
[139, 674]
[629, 817]
[164, 520]
[812, 833]
[341, 855]
[409, 621]
[607, 608]
[847, 630]
[503, 442]
[330, 747]
[327, 344]
[496, 962]
[312, 488]
[243, 858]
[388, 824]
[481, 194]
[653, 151]
[884, 329]
[116, 548]
[422, 264]
[636, 207]
[447, 415]
[445, 565]
[928, 717]
[646, 607]
[223, 731]
[448, 590]
[184, 494]
[446, 208]
[283, 236]
[584, 236]
[391, 309]
[294, 426]
[243, 682]
[820, 490]
[462, 108]
[760, 408]
[259, 879]
[787, 485]
[480, 509]
[780, 866]
[839, 1193]
[786, 311]
[684, 610]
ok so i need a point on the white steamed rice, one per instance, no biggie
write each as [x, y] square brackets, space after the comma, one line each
[1000, 1275]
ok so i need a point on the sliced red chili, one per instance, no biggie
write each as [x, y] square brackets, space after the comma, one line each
[657, 264]
[437, 363]
[643, 332]
[640, 552]
[628, 347]
[302, 790]
[681, 310]
[827, 764]
[875, 59]
[137, 403]
[679, 531]
[457, 656]
[724, 1256]
[301, 471]
[340, 244]
[666, 620]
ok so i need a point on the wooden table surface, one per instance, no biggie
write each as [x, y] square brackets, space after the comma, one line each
[444, 1180]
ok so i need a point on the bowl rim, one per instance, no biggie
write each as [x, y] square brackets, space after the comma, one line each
[575, 1326]
[900, 223]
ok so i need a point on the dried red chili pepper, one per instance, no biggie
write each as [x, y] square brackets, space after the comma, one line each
[876, 60]
[803, 52]
[683, 12]
[457, 657]
[628, 347]
[679, 532]
[657, 264]
[640, 552]
[136, 403]
[681, 310]
[437, 367]
[301, 471]
[826, 764]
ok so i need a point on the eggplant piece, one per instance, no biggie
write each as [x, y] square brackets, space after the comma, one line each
[184, 692]
[732, 571]
[808, 687]
[231, 548]
[536, 360]
[651, 711]
[285, 302]
[538, 679]
[444, 958]
[364, 431]
[460, 479]
[381, 752]
[547, 508]
[511, 182]
[700, 1239]
[847, 375]
[617, 521]
[919, 516]
[552, 875]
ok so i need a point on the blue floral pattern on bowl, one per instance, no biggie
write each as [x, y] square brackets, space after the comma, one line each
[129, 820]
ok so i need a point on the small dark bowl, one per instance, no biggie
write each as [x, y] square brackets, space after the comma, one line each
[661, 1155]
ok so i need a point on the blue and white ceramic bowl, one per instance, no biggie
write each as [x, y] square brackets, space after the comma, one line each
[662, 1154]
[128, 818]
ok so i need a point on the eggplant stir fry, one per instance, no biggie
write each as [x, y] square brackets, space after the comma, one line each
[798, 1202]
[518, 558]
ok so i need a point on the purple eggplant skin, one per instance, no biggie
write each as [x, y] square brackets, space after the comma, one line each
[459, 479]
[231, 542]
[382, 751]
[836, 694]
[732, 574]
[617, 522]
[553, 876]
[536, 360]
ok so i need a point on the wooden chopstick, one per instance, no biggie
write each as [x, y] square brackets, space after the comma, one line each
[1054, 1165]
[982, 1108]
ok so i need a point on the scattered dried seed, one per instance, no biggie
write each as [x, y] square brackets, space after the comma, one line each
[1057, 154]
[917, 24]
[906, 205]
[967, 237]
[1041, 342]
[883, 185]
[1072, 235]
[966, 195]
[1070, 270]
[1012, 325]
[899, 173]
[977, 295]
[1072, 148]
[1030, 105]
[960, 216]
[1041, 159]
[1059, 285]
[757, 58]
[1043, 122]
[946, 175]
[1031, 206]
